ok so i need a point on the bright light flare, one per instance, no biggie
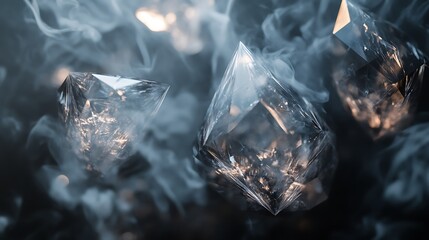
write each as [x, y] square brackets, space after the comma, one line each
[59, 75]
[62, 180]
[156, 22]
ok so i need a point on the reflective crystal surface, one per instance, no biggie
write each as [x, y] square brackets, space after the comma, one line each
[263, 138]
[103, 114]
[379, 74]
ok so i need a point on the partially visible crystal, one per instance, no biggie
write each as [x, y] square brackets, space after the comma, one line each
[103, 114]
[379, 75]
[265, 139]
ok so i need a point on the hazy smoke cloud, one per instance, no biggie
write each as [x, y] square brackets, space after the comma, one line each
[4, 221]
[299, 33]
[3, 73]
[11, 125]
[406, 183]
[79, 31]
[104, 36]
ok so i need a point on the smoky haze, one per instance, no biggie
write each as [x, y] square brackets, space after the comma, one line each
[380, 189]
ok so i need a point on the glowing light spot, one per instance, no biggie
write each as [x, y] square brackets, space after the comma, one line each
[170, 18]
[374, 121]
[153, 20]
[60, 75]
[365, 27]
[245, 59]
[234, 110]
[63, 180]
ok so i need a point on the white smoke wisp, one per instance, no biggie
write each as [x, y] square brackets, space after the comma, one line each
[50, 131]
[4, 222]
[11, 217]
[99, 209]
[80, 27]
[398, 193]
[3, 74]
[11, 124]
[406, 183]
[185, 184]
[106, 36]
[297, 37]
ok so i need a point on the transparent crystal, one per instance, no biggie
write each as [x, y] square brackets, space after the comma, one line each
[379, 75]
[265, 139]
[103, 114]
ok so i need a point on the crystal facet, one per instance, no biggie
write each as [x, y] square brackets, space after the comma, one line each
[104, 113]
[265, 139]
[379, 75]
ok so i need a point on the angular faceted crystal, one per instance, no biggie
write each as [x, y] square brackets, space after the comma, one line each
[103, 114]
[379, 75]
[263, 138]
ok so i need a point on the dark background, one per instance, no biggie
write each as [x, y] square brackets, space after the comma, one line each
[380, 188]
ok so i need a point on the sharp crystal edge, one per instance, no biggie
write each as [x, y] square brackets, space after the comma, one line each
[379, 74]
[104, 114]
[261, 139]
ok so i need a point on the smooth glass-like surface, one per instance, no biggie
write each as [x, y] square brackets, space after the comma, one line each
[104, 113]
[379, 74]
[265, 139]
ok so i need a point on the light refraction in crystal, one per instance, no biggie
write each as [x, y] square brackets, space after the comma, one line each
[103, 114]
[379, 74]
[266, 140]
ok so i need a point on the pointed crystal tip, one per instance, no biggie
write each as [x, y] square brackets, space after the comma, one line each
[265, 139]
[104, 114]
[343, 17]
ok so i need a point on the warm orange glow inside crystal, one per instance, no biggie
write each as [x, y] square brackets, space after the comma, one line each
[343, 17]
